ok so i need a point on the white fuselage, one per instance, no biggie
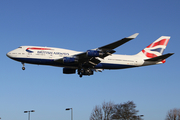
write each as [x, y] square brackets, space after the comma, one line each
[48, 55]
[85, 63]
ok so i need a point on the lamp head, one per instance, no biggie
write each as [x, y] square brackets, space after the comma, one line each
[68, 108]
[32, 110]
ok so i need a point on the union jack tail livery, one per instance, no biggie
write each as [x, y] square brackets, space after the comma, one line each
[156, 49]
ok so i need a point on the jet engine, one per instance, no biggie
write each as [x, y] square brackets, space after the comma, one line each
[69, 60]
[94, 53]
[69, 71]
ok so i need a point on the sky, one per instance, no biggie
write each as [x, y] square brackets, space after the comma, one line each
[81, 25]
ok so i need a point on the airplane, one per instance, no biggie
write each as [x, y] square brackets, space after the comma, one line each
[99, 59]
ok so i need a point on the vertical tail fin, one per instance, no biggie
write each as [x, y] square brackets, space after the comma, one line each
[156, 48]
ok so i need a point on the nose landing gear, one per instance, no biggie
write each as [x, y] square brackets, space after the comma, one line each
[23, 68]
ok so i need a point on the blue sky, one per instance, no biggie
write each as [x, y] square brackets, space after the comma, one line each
[81, 25]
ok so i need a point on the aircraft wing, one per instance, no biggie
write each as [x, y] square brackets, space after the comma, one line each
[90, 57]
[108, 49]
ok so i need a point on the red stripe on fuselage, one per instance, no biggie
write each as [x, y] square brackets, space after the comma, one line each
[35, 48]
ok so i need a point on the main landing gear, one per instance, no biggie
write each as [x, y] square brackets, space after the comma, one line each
[23, 68]
[79, 73]
[82, 72]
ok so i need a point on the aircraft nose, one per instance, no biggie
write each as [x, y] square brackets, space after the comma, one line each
[8, 54]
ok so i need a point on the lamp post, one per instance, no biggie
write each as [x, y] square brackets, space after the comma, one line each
[139, 116]
[29, 113]
[71, 112]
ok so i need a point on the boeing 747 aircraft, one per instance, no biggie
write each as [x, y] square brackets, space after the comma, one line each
[92, 60]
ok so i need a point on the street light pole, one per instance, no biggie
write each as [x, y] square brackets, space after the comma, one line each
[71, 112]
[29, 113]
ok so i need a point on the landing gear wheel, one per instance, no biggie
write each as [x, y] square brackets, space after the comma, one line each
[79, 72]
[23, 68]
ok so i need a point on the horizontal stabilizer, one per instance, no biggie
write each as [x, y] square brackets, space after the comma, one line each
[160, 58]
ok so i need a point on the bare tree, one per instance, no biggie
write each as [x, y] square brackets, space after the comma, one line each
[110, 111]
[125, 111]
[102, 113]
[173, 114]
[96, 113]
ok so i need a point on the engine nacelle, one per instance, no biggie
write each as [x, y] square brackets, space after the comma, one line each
[69, 71]
[94, 53]
[69, 60]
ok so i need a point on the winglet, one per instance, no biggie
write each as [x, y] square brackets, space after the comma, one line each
[133, 36]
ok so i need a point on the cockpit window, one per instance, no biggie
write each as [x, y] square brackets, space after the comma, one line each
[19, 47]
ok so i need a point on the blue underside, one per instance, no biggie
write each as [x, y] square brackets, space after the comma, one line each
[58, 64]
